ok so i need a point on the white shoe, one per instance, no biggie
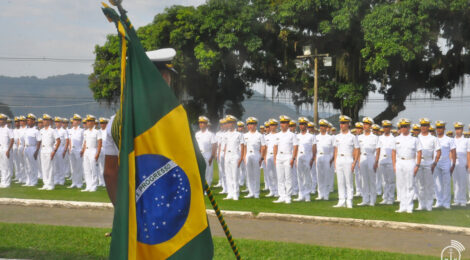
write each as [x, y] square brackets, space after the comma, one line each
[455, 204]
[419, 208]
[279, 200]
[318, 198]
[447, 207]
[389, 203]
[307, 199]
[256, 196]
[227, 198]
[223, 192]
[357, 194]
[399, 211]
[363, 203]
[299, 199]
[249, 196]
[288, 201]
[85, 190]
[218, 185]
[245, 190]
[43, 188]
[269, 195]
[50, 188]
[349, 204]
[339, 205]
[383, 202]
[235, 198]
[409, 211]
[436, 206]
[372, 204]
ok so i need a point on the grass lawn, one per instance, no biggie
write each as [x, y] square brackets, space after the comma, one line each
[55, 242]
[457, 216]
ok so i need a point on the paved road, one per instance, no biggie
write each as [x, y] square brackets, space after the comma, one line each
[333, 235]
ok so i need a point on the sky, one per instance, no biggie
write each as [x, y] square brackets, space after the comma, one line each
[62, 29]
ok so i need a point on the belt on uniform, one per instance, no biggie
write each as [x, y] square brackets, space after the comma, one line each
[404, 158]
[342, 154]
[271, 153]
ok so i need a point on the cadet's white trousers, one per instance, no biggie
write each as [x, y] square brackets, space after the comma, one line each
[222, 177]
[388, 175]
[295, 183]
[324, 174]
[15, 161]
[460, 178]
[101, 170]
[425, 184]
[270, 173]
[209, 168]
[31, 166]
[358, 180]
[47, 168]
[313, 177]
[242, 175]
[90, 169]
[284, 178]
[59, 173]
[304, 177]
[405, 182]
[345, 178]
[253, 173]
[442, 184]
[5, 169]
[76, 166]
[368, 179]
[21, 175]
[232, 172]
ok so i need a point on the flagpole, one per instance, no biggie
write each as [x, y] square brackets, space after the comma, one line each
[224, 225]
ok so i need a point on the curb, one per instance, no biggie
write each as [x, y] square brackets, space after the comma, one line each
[260, 216]
[56, 203]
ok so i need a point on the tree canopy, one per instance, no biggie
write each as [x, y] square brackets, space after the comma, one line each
[395, 47]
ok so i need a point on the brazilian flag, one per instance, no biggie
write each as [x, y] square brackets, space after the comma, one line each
[160, 211]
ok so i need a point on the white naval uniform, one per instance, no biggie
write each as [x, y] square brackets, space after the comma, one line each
[109, 146]
[101, 160]
[233, 142]
[460, 175]
[304, 156]
[285, 141]
[325, 149]
[31, 137]
[76, 161]
[253, 143]
[424, 179]
[59, 165]
[368, 145]
[6, 136]
[90, 165]
[345, 145]
[406, 148]
[442, 173]
[49, 137]
[205, 141]
[270, 169]
[219, 136]
[386, 145]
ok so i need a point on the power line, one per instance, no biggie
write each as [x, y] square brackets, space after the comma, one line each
[46, 59]
[50, 106]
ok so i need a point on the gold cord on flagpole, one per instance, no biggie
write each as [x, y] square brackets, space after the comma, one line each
[224, 225]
